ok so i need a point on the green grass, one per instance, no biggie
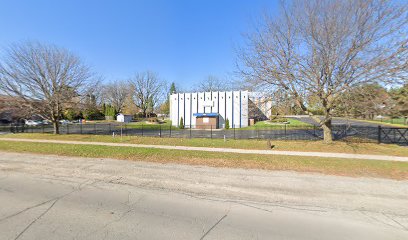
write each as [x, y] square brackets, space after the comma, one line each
[396, 122]
[293, 124]
[332, 166]
[150, 125]
[304, 146]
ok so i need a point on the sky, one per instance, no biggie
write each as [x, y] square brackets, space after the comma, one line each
[182, 41]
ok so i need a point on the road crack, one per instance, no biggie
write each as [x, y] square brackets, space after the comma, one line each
[78, 188]
[209, 230]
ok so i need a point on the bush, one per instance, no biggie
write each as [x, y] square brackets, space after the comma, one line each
[93, 115]
[279, 120]
[138, 115]
[153, 119]
[152, 114]
[110, 111]
[181, 126]
[227, 125]
[72, 114]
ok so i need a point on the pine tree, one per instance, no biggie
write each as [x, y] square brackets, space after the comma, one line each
[227, 126]
[181, 126]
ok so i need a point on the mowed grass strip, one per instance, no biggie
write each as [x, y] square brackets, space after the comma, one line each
[330, 166]
[302, 146]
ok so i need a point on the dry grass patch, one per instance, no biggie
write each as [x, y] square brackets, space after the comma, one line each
[303, 146]
[332, 166]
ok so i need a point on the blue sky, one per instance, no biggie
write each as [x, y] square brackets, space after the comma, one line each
[183, 41]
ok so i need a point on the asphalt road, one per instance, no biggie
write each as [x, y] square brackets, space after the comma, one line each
[51, 197]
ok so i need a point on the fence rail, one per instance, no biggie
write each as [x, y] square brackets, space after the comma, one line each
[277, 132]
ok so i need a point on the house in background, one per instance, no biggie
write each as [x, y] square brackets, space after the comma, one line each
[212, 109]
[124, 118]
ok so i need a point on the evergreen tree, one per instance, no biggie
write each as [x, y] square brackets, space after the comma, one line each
[181, 126]
[173, 88]
[227, 126]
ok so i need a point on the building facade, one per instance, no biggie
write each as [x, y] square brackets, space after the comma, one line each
[212, 109]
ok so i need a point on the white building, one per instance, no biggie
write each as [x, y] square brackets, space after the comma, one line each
[214, 108]
[124, 118]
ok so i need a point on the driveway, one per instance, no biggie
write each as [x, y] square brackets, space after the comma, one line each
[53, 197]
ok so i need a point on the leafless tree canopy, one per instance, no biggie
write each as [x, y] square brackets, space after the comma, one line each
[211, 84]
[147, 91]
[116, 93]
[45, 77]
[322, 48]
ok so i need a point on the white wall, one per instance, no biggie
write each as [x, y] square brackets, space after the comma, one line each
[231, 105]
[236, 110]
[188, 115]
[174, 111]
[194, 107]
[244, 109]
[221, 110]
[181, 108]
[229, 108]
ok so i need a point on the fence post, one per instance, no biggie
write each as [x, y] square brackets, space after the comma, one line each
[110, 127]
[42, 128]
[379, 133]
[285, 131]
[67, 128]
[94, 128]
[160, 130]
[211, 132]
[257, 133]
[80, 127]
[170, 130]
[233, 126]
[190, 133]
[142, 130]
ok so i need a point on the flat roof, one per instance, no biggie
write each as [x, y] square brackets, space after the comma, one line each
[205, 114]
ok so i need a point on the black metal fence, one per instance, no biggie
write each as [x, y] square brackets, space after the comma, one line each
[277, 132]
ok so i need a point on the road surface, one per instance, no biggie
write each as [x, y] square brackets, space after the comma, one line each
[52, 197]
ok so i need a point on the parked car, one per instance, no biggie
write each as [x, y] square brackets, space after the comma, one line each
[64, 122]
[46, 122]
[32, 123]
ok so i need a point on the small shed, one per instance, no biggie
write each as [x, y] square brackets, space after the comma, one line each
[206, 120]
[124, 118]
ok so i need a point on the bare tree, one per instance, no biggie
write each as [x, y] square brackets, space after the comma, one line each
[147, 91]
[211, 84]
[45, 77]
[116, 93]
[322, 48]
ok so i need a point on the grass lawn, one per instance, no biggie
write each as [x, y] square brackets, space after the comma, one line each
[293, 124]
[148, 125]
[331, 166]
[304, 146]
[397, 122]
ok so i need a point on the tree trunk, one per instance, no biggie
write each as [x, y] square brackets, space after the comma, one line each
[56, 127]
[327, 131]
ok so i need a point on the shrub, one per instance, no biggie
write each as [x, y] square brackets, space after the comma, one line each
[110, 111]
[93, 115]
[153, 119]
[227, 125]
[139, 115]
[279, 120]
[72, 114]
[181, 126]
